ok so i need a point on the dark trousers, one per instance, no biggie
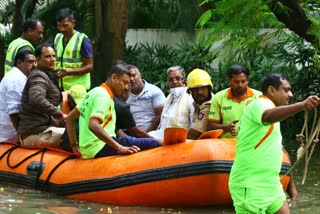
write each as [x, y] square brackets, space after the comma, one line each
[142, 143]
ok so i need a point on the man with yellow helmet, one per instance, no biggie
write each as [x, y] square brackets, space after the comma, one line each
[199, 86]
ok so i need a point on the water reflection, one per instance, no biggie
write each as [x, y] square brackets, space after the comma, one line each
[19, 200]
[309, 192]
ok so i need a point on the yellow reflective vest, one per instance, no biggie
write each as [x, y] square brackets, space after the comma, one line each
[12, 51]
[69, 58]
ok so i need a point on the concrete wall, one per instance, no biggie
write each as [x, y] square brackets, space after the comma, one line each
[166, 37]
[5, 29]
[161, 36]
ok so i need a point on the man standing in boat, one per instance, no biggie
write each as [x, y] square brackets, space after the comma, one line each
[97, 120]
[199, 86]
[254, 179]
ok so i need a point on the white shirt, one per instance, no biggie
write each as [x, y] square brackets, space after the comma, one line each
[168, 111]
[177, 112]
[11, 87]
[165, 115]
[143, 106]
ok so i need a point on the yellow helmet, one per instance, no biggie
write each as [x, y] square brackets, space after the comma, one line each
[198, 78]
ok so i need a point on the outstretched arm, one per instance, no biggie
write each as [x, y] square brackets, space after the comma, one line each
[282, 112]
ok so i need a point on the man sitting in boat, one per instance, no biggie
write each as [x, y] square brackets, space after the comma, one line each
[41, 120]
[200, 86]
[178, 108]
[125, 124]
[146, 101]
[11, 88]
[227, 105]
[70, 99]
[97, 120]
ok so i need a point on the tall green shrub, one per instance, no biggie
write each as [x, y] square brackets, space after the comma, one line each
[263, 52]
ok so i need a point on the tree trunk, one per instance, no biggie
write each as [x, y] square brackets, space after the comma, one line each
[292, 15]
[30, 7]
[23, 9]
[89, 23]
[18, 20]
[111, 29]
[188, 13]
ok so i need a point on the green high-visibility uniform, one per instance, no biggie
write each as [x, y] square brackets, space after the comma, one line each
[69, 58]
[12, 51]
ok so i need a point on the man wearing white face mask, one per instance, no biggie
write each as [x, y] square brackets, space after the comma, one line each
[178, 109]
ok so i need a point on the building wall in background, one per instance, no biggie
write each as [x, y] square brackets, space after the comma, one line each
[161, 36]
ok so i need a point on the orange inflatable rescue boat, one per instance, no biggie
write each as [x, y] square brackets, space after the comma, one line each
[188, 173]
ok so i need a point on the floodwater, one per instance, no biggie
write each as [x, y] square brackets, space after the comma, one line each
[20, 200]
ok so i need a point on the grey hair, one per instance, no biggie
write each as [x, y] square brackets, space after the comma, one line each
[177, 68]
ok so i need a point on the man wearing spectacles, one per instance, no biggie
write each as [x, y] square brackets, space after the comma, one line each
[178, 108]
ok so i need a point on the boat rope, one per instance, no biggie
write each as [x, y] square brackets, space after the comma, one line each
[9, 150]
[43, 150]
[45, 184]
[25, 159]
[307, 140]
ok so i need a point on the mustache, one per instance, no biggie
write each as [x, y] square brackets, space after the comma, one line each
[200, 95]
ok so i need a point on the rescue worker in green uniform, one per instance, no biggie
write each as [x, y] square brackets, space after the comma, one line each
[32, 34]
[254, 181]
[74, 53]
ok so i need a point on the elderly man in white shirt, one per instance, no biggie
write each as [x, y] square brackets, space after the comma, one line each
[178, 109]
[11, 87]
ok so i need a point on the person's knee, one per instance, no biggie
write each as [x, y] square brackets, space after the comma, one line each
[151, 143]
